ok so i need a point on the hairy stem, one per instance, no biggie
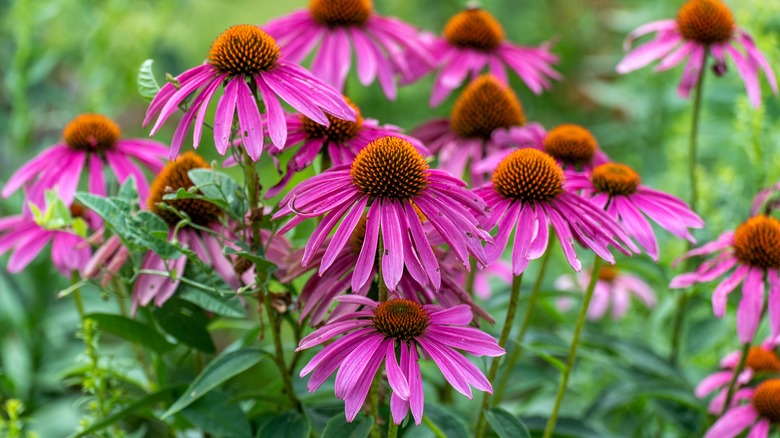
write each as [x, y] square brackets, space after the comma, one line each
[737, 371]
[514, 300]
[575, 342]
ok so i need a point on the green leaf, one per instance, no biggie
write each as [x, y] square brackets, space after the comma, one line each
[451, 425]
[288, 425]
[215, 415]
[187, 323]
[338, 427]
[131, 330]
[257, 259]
[219, 304]
[220, 189]
[143, 402]
[147, 85]
[218, 371]
[505, 424]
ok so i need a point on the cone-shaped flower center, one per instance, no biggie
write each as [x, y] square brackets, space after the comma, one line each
[243, 49]
[174, 177]
[390, 167]
[528, 175]
[401, 319]
[475, 29]
[607, 273]
[757, 242]
[338, 131]
[335, 13]
[766, 400]
[77, 210]
[486, 105]
[615, 179]
[705, 21]
[91, 132]
[763, 361]
[570, 144]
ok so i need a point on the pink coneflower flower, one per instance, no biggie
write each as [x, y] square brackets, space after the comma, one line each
[766, 200]
[527, 193]
[702, 27]
[613, 289]
[245, 53]
[392, 179]
[754, 250]
[383, 46]
[26, 238]
[616, 188]
[376, 333]
[339, 143]
[761, 412]
[762, 360]
[465, 138]
[91, 141]
[277, 250]
[474, 41]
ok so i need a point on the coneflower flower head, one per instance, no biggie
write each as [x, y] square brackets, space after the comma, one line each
[245, 53]
[702, 27]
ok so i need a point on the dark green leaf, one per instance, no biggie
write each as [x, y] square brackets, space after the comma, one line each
[147, 85]
[185, 322]
[450, 424]
[131, 330]
[338, 427]
[210, 292]
[217, 372]
[564, 427]
[215, 415]
[288, 425]
[506, 425]
[221, 189]
[258, 260]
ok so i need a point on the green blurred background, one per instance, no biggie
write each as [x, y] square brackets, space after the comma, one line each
[60, 58]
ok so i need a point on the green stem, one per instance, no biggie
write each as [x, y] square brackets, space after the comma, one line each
[471, 278]
[433, 427]
[682, 298]
[514, 300]
[575, 342]
[529, 310]
[374, 390]
[392, 428]
[77, 297]
[737, 371]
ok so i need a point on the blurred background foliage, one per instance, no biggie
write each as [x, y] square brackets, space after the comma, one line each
[63, 57]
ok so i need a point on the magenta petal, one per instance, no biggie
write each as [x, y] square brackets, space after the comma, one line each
[223, 118]
[250, 125]
[365, 262]
[277, 124]
[749, 311]
[395, 376]
[733, 422]
[393, 254]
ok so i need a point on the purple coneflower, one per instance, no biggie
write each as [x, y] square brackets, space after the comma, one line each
[754, 250]
[91, 141]
[474, 41]
[466, 138]
[382, 332]
[339, 143]
[702, 27]
[613, 289]
[245, 53]
[758, 415]
[26, 237]
[616, 188]
[383, 46]
[761, 360]
[393, 180]
[527, 193]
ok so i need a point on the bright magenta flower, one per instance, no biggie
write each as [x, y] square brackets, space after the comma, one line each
[702, 27]
[378, 332]
[393, 180]
[245, 53]
[754, 250]
[383, 46]
[761, 411]
[91, 141]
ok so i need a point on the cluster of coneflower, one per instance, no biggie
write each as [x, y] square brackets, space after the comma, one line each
[400, 250]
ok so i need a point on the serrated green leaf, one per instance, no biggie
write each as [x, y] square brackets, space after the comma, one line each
[338, 427]
[147, 84]
[131, 330]
[288, 425]
[505, 424]
[212, 302]
[217, 372]
[215, 415]
[220, 189]
[187, 323]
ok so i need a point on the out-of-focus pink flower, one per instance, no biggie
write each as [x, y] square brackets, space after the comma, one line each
[702, 28]
[613, 289]
[757, 415]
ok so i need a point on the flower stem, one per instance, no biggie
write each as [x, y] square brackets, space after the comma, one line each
[682, 298]
[594, 276]
[529, 310]
[514, 300]
[737, 371]
[471, 278]
[373, 398]
[392, 428]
